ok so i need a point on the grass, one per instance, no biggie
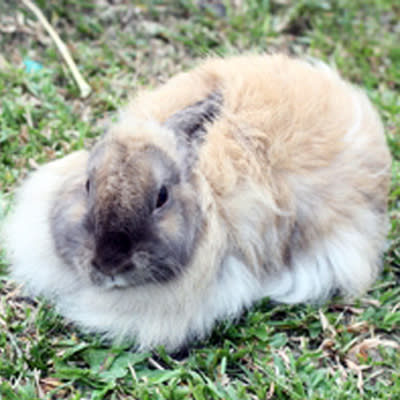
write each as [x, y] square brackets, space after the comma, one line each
[339, 351]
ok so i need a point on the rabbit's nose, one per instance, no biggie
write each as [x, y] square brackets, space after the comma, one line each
[112, 250]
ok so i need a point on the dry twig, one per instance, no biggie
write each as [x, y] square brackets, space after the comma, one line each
[84, 88]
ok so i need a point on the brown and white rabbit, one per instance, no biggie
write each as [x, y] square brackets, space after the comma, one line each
[248, 177]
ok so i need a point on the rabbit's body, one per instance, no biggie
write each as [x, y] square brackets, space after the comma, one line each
[272, 177]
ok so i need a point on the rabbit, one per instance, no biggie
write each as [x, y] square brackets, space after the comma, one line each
[248, 177]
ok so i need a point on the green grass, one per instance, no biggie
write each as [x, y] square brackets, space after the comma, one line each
[339, 351]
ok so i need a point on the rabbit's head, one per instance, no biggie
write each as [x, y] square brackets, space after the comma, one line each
[136, 216]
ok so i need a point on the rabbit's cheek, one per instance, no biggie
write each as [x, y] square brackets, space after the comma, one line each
[181, 226]
[155, 267]
[71, 239]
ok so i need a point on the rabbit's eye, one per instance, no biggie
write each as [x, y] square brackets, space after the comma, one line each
[87, 185]
[162, 197]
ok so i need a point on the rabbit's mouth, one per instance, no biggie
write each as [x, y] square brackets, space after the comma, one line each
[107, 281]
[142, 269]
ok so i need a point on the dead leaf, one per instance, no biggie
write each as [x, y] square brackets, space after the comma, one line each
[50, 383]
[270, 393]
[326, 326]
[369, 348]
[40, 392]
[358, 369]
[285, 358]
[371, 302]
[327, 344]
[344, 307]
[23, 134]
[358, 327]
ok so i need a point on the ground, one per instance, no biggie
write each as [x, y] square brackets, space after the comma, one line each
[338, 351]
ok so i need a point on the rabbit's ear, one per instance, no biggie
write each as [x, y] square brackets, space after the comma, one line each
[190, 127]
[191, 121]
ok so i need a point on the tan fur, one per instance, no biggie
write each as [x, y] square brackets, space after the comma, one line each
[284, 125]
[289, 182]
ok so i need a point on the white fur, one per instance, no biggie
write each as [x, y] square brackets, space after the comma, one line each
[32, 253]
[159, 314]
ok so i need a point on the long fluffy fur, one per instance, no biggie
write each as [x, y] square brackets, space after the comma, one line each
[292, 176]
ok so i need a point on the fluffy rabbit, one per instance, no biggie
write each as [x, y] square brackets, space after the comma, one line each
[248, 177]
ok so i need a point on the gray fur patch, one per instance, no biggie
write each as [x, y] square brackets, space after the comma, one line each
[67, 221]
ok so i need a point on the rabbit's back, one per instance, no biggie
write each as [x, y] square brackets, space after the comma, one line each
[286, 114]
